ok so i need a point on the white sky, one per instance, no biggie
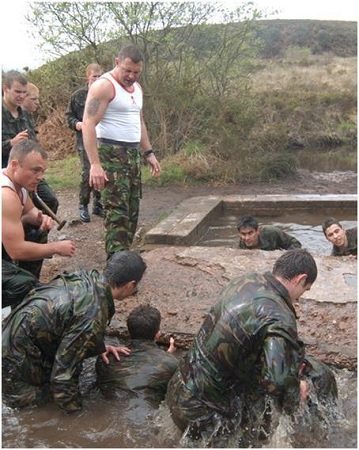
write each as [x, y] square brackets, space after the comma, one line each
[18, 49]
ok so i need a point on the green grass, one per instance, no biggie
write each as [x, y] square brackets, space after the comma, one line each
[64, 173]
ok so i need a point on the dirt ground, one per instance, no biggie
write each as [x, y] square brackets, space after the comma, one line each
[156, 204]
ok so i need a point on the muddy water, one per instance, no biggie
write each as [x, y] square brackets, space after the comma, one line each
[132, 424]
[304, 226]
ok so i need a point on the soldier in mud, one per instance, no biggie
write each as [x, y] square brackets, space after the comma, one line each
[74, 116]
[114, 131]
[344, 241]
[47, 337]
[25, 227]
[266, 237]
[246, 350]
[147, 371]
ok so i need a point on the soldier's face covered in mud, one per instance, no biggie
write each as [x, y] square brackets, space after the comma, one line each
[336, 235]
[249, 236]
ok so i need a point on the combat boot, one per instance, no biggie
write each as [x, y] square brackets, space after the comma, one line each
[98, 210]
[84, 214]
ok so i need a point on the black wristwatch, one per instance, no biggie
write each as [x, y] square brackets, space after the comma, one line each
[147, 153]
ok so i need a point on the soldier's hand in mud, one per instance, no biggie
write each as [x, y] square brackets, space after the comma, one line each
[303, 391]
[172, 347]
[115, 351]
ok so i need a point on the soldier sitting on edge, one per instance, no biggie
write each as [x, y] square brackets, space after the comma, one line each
[266, 237]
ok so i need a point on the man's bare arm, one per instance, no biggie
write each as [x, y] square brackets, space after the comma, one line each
[98, 98]
[13, 236]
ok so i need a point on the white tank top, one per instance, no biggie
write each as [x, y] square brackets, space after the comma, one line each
[121, 121]
[6, 182]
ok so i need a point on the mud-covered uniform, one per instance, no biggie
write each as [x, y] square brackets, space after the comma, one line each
[273, 238]
[146, 372]
[247, 345]
[351, 248]
[74, 114]
[47, 337]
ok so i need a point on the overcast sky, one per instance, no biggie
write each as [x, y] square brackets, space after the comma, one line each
[18, 49]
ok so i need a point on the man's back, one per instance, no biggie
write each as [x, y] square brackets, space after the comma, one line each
[146, 372]
[238, 347]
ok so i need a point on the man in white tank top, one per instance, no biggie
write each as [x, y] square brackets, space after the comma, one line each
[25, 169]
[115, 136]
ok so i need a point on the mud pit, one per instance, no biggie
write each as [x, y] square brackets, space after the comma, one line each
[184, 287]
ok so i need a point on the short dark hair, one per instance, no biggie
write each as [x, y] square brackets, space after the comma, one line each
[247, 222]
[123, 267]
[11, 76]
[144, 322]
[22, 149]
[329, 222]
[295, 262]
[132, 52]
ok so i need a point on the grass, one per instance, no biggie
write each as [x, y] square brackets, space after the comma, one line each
[64, 173]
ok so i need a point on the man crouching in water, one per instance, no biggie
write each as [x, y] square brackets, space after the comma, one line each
[46, 338]
[246, 349]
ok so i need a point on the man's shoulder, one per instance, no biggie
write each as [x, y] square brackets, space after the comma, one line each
[269, 229]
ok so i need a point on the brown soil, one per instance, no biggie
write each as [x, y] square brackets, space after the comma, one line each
[158, 202]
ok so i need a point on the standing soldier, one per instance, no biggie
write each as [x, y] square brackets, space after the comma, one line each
[113, 120]
[74, 114]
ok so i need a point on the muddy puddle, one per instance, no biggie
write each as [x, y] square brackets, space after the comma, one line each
[131, 423]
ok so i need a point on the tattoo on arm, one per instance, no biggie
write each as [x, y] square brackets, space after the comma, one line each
[92, 106]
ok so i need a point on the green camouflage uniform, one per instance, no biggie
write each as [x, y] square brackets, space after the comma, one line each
[121, 195]
[15, 283]
[351, 248]
[273, 238]
[146, 372]
[247, 347]
[47, 337]
[74, 114]
[11, 126]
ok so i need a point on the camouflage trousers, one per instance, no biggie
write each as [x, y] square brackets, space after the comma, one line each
[25, 372]
[85, 188]
[121, 195]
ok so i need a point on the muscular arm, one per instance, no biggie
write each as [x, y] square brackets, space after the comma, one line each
[146, 145]
[98, 98]
[13, 236]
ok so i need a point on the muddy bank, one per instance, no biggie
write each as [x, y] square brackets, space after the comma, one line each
[184, 289]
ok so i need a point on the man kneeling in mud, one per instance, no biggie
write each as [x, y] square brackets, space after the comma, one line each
[246, 349]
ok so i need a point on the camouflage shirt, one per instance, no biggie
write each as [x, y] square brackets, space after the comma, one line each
[146, 371]
[247, 344]
[11, 126]
[47, 337]
[351, 248]
[273, 238]
[75, 112]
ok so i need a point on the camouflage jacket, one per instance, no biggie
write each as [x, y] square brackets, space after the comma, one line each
[68, 321]
[75, 112]
[247, 344]
[351, 248]
[146, 371]
[273, 238]
[11, 126]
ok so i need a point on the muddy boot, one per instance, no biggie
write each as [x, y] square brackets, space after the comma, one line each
[84, 214]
